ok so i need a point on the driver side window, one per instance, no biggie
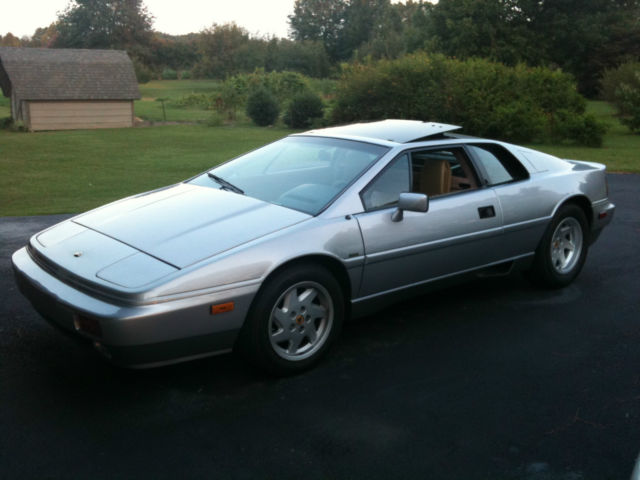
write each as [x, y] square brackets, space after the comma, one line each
[385, 190]
[433, 171]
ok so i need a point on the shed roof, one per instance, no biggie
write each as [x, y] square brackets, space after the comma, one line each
[67, 74]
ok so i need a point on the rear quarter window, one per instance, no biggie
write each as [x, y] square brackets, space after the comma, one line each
[497, 164]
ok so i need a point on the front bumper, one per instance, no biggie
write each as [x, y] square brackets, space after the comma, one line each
[136, 336]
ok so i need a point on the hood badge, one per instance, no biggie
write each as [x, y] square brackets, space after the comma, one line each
[77, 254]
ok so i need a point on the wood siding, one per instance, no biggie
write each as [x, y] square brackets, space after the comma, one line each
[62, 115]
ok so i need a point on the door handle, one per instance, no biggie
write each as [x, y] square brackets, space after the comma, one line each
[487, 212]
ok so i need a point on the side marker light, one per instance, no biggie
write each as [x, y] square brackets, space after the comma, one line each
[222, 308]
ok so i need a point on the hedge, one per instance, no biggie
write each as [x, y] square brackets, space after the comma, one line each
[489, 99]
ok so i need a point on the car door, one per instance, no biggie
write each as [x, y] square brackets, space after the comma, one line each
[460, 231]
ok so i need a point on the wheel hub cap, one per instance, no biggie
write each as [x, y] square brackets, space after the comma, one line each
[566, 245]
[301, 321]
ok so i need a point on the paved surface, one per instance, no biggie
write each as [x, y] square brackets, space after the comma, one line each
[489, 380]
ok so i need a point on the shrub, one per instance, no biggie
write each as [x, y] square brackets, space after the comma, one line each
[185, 74]
[629, 101]
[305, 109]
[198, 100]
[7, 123]
[262, 107]
[621, 86]
[614, 77]
[169, 74]
[230, 98]
[520, 104]
[282, 85]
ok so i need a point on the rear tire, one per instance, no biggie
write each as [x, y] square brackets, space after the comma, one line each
[562, 250]
[293, 321]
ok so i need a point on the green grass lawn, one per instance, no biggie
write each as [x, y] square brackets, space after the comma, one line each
[620, 150]
[60, 172]
[148, 108]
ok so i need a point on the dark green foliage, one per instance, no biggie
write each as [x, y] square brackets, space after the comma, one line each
[220, 48]
[169, 74]
[319, 20]
[262, 107]
[519, 104]
[621, 86]
[7, 123]
[143, 74]
[306, 57]
[629, 100]
[581, 36]
[195, 100]
[119, 24]
[304, 110]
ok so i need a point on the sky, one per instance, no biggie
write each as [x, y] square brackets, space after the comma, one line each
[259, 17]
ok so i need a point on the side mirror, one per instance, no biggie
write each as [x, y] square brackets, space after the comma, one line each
[412, 202]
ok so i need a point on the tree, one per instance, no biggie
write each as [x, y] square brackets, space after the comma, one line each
[368, 20]
[224, 51]
[581, 36]
[343, 25]
[119, 24]
[492, 29]
[10, 40]
[178, 52]
[416, 24]
[306, 56]
[321, 20]
[44, 36]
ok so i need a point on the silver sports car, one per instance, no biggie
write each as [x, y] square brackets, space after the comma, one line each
[269, 252]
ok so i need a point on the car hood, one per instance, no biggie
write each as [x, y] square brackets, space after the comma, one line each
[184, 224]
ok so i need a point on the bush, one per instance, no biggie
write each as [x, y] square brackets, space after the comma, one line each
[262, 107]
[169, 74]
[7, 123]
[621, 86]
[629, 101]
[305, 109]
[198, 100]
[519, 104]
[185, 74]
[231, 97]
[614, 77]
[282, 85]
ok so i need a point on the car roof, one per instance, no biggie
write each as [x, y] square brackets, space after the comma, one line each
[396, 131]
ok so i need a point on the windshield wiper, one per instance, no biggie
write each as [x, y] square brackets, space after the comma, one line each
[225, 184]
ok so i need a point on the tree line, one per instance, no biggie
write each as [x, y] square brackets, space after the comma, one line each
[581, 37]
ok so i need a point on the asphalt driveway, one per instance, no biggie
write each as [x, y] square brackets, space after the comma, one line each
[488, 380]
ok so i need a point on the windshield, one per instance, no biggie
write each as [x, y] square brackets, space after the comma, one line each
[303, 173]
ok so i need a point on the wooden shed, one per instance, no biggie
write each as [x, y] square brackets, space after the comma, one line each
[65, 89]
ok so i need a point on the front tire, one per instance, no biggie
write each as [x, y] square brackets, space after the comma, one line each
[293, 321]
[562, 250]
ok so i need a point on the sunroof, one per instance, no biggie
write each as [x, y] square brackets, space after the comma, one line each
[400, 131]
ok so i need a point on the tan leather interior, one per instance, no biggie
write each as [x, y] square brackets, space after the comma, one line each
[436, 177]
